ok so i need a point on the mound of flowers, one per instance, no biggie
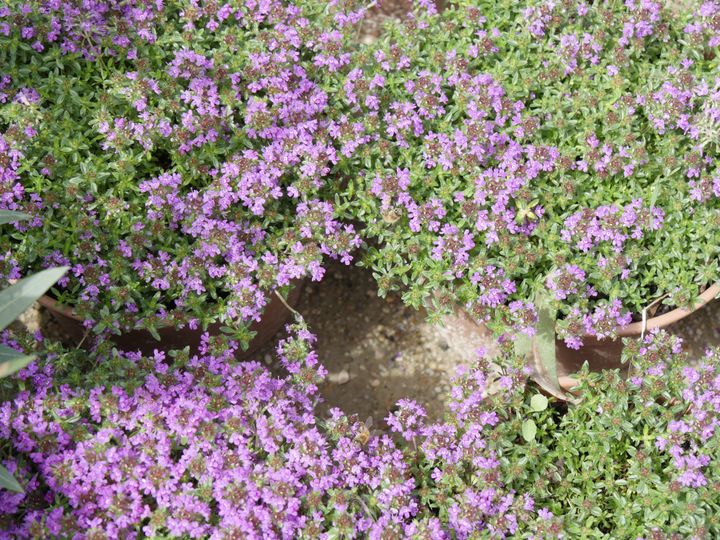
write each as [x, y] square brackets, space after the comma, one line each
[177, 155]
[190, 154]
[204, 447]
[558, 149]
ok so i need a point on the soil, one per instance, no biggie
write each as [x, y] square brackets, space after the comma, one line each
[378, 351]
[379, 14]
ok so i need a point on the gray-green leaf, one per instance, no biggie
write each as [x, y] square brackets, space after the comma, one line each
[8, 216]
[544, 341]
[18, 297]
[538, 403]
[543, 350]
[522, 345]
[529, 430]
[7, 481]
[12, 361]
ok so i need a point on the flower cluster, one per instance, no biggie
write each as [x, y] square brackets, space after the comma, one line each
[204, 447]
[587, 228]
[90, 30]
[185, 154]
[570, 147]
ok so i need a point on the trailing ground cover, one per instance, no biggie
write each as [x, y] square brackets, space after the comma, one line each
[205, 447]
[185, 159]
[563, 149]
[177, 155]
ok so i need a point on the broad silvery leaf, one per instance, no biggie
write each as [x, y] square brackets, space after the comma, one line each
[19, 296]
[543, 350]
[538, 403]
[7, 481]
[12, 361]
[522, 344]
[8, 216]
[529, 430]
[544, 340]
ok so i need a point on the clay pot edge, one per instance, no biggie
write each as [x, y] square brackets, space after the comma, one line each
[636, 329]
[48, 302]
[666, 319]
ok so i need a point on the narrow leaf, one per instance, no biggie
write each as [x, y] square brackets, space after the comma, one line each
[8, 216]
[12, 361]
[7, 481]
[18, 297]
[544, 341]
[154, 333]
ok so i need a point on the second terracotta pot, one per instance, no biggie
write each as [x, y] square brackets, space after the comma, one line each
[600, 354]
[606, 353]
[272, 320]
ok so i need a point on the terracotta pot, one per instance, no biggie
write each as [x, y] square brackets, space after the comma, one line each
[606, 353]
[272, 320]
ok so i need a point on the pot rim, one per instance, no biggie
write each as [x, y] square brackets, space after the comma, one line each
[661, 321]
[568, 383]
[50, 303]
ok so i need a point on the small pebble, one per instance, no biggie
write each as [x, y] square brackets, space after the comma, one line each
[375, 382]
[397, 372]
[267, 359]
[341, 377]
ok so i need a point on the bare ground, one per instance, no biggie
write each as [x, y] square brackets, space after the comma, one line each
[378, 351]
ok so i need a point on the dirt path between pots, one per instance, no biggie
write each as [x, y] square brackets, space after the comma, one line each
[378, 351]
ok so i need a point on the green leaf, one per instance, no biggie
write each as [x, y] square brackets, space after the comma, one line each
[544, 341]
[7, 481]
[12, 361]
[18, 297]
[522, 344]
[8, 216]
[154, 333]
[543, 350]
[529, 430]
[538, 403]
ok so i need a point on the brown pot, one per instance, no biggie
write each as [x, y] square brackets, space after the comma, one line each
[273, 318]
[606, 353]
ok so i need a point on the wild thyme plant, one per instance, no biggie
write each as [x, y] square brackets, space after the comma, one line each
[204, 447]
[564, 149]
[178, 155]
